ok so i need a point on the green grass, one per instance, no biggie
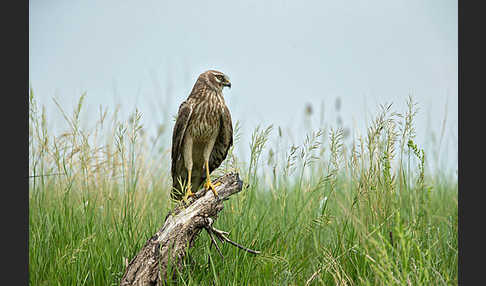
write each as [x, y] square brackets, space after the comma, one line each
[325, 212]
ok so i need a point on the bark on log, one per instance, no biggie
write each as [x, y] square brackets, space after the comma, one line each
[182, 226]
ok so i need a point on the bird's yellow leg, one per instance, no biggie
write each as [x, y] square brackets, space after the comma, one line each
[189, 192]
[208, 185]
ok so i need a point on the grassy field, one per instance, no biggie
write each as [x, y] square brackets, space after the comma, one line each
[326, 212]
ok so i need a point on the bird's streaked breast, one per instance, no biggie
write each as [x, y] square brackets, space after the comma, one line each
[206, 116]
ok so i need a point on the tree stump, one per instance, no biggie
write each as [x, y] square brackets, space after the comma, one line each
[182, 225]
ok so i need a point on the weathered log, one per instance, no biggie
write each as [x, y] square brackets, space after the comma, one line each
[182, 226]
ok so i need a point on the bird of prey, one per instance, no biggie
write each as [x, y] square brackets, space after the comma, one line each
[202, 135]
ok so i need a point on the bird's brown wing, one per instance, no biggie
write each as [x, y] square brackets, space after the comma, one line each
[223, 141]
[183, 117]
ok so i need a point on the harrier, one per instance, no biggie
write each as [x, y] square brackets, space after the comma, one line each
[202, 136]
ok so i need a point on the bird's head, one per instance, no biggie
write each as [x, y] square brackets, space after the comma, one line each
[216, 79]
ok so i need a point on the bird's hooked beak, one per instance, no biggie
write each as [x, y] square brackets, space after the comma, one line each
[227, 82]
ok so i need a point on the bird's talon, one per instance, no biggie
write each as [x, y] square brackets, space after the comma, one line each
[188, 194]
[208, 185]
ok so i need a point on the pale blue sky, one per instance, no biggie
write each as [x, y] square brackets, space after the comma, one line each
[280, 55]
